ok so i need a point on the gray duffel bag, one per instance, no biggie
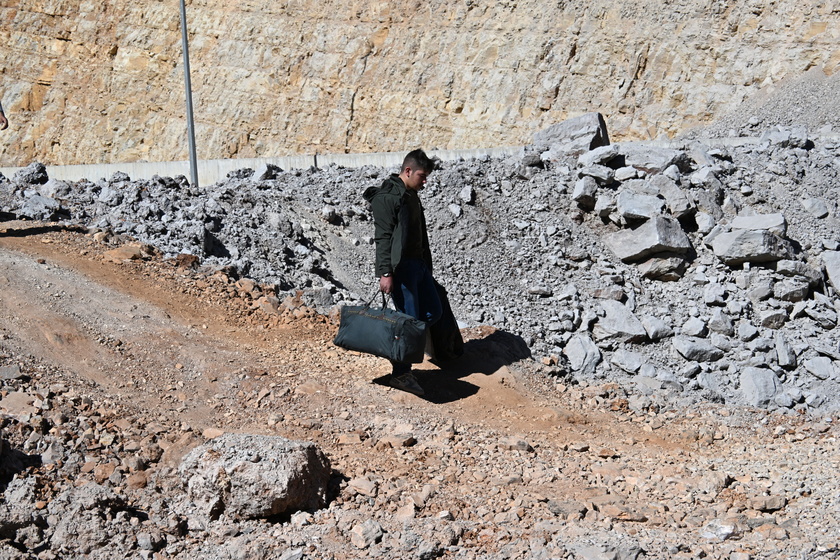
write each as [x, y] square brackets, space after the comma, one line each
[381, 331]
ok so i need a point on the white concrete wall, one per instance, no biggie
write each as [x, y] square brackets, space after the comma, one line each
[212, 171]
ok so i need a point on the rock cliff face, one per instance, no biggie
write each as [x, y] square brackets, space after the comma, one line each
[88, 82]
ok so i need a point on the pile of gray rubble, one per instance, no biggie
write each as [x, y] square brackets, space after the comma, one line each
[700, 270]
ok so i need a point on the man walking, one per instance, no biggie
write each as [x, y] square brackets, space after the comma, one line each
[403, 257]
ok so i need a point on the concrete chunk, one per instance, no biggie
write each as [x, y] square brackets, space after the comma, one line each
[769, 222]
[754, 246]
[254, 476]
[582, 353]
[759, 386]
[657, 235]
[831, 260]
[696, 349]
[574, 136]
[618, 323]
[633, 206]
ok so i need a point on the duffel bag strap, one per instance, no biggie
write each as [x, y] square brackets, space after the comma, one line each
[384, 301]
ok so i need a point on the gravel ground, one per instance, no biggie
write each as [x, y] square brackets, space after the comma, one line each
[497, 462]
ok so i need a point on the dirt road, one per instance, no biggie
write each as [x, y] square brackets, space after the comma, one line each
[507, 449]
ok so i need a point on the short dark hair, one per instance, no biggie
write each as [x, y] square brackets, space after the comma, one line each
[417, 159]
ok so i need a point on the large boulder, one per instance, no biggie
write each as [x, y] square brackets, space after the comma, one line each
[598, 156]
[266, 172]
[633, 206]
[676, 199]
[785, 353]
[33, 174]
[582, 353]
[798, 269]
[657, 235]
[831, 261]
[820, 367]
[618, 323]
[749, 245]
[651, 159]
[253, 476]
[817, 207]
[664, 266]
[573, 137]
[759, 386]
[37, 207]
[774, 223]
[696, 349]
[585, 192]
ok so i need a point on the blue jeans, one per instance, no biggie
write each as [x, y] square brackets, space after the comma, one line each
[415, 294]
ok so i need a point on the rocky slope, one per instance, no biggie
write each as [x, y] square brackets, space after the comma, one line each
[87, 82]
[691, 274]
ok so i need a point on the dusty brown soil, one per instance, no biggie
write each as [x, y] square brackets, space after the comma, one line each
[189, 351]
[171, 333]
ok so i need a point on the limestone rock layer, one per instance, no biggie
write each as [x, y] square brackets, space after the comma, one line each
[91, 82]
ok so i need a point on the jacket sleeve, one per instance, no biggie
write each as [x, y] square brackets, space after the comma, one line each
[385, 217]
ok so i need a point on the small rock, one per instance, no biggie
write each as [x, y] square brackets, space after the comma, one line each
[515, 444]
[816, 207]
[363, 486]
[366, 534]
[719, 530]
[696, 349]
[695, 327]
[768, 503]
[820, 367]
[656, 328]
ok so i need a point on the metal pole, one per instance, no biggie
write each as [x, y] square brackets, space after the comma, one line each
[188, 87]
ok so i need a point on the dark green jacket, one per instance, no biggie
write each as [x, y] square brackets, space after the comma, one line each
[390, 223]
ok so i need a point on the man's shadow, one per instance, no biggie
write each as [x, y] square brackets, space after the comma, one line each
[37, 228]
[14, 461]
[481, 355]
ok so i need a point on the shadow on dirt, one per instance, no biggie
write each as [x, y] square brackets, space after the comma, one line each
[481, 355]
[27, 230]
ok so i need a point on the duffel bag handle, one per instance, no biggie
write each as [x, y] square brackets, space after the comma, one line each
[384, 301]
